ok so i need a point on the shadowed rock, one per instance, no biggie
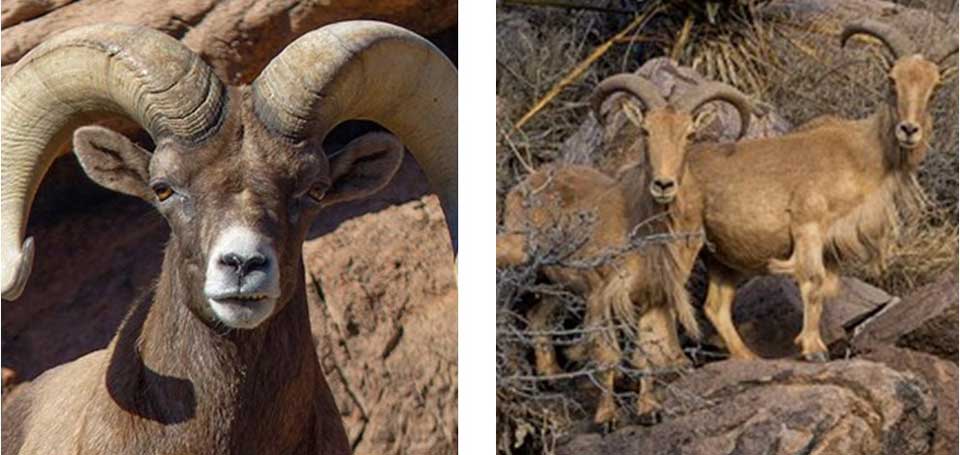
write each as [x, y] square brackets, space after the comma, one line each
[925, 320]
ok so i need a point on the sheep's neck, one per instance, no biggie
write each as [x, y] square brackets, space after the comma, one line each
[669, 259]
[244, 391]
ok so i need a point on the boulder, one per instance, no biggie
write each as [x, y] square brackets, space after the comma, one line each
[768, 313]
[941, 378]
[782, 407]
[383, 307]
[925, 320]
[237, 38]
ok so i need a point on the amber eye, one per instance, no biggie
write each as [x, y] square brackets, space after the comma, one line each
[318, 193]
[162, 190]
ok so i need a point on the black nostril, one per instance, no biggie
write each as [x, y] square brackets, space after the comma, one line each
[255, 262]
[909, 128]
[231, 260]
[241, 265]
[664, 185]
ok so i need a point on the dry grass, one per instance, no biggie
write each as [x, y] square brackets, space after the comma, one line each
[800, 71]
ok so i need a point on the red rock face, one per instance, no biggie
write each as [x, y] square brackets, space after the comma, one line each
[386, 327]
[237, 38]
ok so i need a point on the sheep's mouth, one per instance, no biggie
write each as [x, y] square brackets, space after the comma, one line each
[663, 199]
[239, 299]
[909, 143]
[242, 310]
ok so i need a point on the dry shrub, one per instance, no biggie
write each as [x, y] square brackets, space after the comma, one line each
[531, 414]
[798, 70]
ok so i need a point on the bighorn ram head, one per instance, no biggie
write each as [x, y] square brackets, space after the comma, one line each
[238, 172]
[668, 128]
[913, 76]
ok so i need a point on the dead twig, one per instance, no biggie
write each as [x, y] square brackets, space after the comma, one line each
[577, 71]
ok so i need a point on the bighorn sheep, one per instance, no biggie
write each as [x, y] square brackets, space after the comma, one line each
[220, 358]
[645, 198]
[830, 191]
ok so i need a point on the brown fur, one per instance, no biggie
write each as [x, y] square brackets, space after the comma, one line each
[799, 204]
[173, 380]
[642, 287]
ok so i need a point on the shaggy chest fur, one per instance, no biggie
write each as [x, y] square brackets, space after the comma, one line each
[173, 385]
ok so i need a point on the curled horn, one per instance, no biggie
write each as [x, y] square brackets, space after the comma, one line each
[373, 71]
[73, 79]
[900, 45]
[950, 48]
[637, 86]
[718, 91]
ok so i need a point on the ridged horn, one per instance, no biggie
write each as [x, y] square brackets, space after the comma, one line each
[373, 71]
[75, 78]
[717, 91]
[632, 84]
[899, 44]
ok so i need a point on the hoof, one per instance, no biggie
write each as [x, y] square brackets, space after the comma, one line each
[816, 357]
[605, 420]
[603, 428]
[648, 418]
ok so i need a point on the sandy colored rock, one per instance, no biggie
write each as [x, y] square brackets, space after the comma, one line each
[781, 407]
[13, 12]
[386, 328]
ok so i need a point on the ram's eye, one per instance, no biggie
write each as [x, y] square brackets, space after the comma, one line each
[317, 193]
[162, 190]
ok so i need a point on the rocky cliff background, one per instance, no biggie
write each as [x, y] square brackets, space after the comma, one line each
[379, 272]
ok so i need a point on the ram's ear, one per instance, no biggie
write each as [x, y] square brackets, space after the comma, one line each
[113, 161]
[363, 167]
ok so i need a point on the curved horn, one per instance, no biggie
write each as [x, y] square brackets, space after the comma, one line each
[948, 49]
[718, 91]
[899, 44]
[632, 84]
[374, 71]
[73, 79]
